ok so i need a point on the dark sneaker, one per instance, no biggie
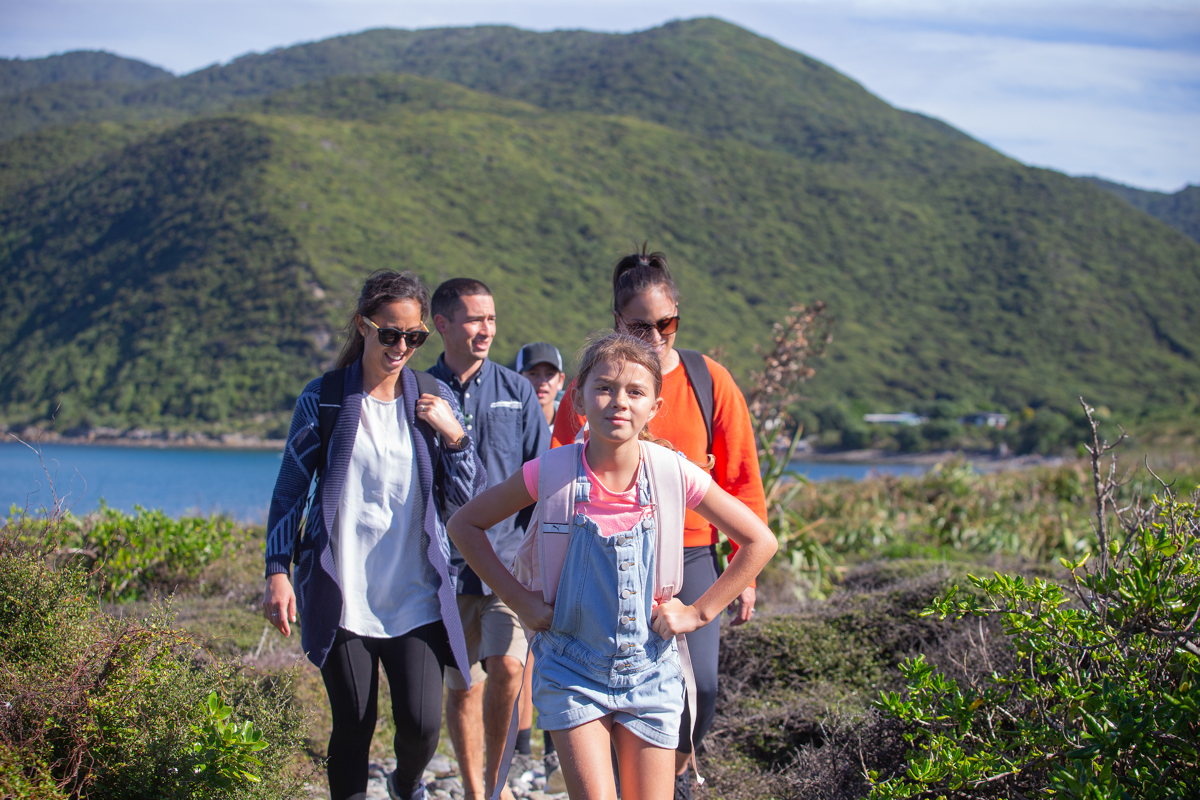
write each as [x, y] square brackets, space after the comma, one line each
[420, 794]
[683, 786]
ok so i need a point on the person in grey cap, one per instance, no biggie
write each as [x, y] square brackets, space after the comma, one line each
[542, 364]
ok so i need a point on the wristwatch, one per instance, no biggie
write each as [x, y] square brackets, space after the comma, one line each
[460, 443]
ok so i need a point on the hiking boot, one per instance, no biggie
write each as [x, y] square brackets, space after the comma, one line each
[683, 786]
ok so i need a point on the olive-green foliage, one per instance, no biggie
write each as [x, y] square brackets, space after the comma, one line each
[102, 707]
[1037, 513]
[150, 287]
[768, 178]
[29, 160]
[703, 76]
[1104, 694]
[794, 714]
[130, 556]
[17, 74]
[1180, 210]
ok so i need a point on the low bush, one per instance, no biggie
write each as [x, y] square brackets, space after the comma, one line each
[135, 555]
[1101, 698]
[1037, 514]
[98, 706]
[794, 715]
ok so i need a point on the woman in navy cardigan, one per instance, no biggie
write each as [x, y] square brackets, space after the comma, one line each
[373, 579]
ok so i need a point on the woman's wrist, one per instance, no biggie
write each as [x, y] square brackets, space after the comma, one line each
[455, 440]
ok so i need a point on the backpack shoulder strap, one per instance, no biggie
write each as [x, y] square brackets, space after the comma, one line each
[427, 384]
[333, 384]
[666, 485]
[556, 506]
[702, 386]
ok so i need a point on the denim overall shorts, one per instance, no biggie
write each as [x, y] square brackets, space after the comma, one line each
[600, 655]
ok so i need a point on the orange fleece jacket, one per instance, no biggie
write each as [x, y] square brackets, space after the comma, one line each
[681, 423]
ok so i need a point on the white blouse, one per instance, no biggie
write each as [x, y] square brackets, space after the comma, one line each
[378, 538]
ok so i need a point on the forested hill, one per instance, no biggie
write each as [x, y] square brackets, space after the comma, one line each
[1180, 210]
[184, 255]
[80, 66]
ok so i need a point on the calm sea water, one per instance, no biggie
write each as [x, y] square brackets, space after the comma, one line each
[183, 481]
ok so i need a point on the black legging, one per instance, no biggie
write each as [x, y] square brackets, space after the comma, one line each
[415, 663]
[699, 573]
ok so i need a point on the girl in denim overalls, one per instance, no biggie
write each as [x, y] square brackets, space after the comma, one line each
[607, 669]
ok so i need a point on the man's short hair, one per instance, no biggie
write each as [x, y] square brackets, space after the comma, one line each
[448, 297]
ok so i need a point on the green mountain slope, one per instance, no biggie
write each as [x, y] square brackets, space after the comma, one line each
[193, 277]
[147, 286]
[1180, 210]
[702, 76]
[81, 66]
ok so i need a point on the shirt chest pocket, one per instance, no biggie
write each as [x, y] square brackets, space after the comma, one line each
[504, 430]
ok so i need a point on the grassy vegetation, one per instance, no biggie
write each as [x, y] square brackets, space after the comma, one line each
[193, 275]
[797, 714]
[123, 705]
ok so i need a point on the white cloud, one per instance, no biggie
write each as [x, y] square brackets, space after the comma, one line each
[1109, 88]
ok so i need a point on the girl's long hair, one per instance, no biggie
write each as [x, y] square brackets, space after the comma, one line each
[383, 287]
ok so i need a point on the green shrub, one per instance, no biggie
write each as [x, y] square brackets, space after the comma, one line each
[104, 707]
[1037, 514]
[132, 556]
[1103, 696]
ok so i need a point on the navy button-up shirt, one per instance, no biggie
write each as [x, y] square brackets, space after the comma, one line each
[505, 421]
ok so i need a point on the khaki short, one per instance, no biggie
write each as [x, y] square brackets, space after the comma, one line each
[491, 629]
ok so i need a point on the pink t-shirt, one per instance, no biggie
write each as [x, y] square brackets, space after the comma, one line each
[615, 512]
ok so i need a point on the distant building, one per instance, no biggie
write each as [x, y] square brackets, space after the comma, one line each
[903, 418]
[988, 418]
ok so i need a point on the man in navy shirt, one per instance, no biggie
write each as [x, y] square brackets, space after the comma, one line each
[505, 420]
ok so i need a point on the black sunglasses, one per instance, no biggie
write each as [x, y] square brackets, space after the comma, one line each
[665, 326]
[392, 336]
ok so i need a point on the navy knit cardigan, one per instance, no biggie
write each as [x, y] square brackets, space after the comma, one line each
[460, 474]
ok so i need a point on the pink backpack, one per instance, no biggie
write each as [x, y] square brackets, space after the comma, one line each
[540, 557]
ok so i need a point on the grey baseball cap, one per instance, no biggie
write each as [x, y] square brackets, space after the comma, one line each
[539, 353]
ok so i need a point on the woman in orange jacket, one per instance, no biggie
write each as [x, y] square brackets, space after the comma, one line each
[646, 304]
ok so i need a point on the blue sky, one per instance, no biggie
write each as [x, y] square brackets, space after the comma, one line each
[1109, 88]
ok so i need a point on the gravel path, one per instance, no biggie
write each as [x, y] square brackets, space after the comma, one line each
[442, 781]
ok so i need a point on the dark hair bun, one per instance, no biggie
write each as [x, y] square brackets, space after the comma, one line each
[638, 273]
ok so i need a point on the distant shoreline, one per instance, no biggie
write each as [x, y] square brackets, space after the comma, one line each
[140, 438]
[984, 461]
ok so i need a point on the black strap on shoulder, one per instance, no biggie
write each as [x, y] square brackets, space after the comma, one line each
[427, 384]
[333, 384]
[702, 386]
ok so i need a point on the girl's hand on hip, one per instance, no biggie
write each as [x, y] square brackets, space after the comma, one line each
[437, 412]
[279, 602]
[673, 618]
[742, 608]
[534, 612]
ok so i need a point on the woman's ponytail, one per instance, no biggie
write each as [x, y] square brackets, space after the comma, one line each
[638, 273]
